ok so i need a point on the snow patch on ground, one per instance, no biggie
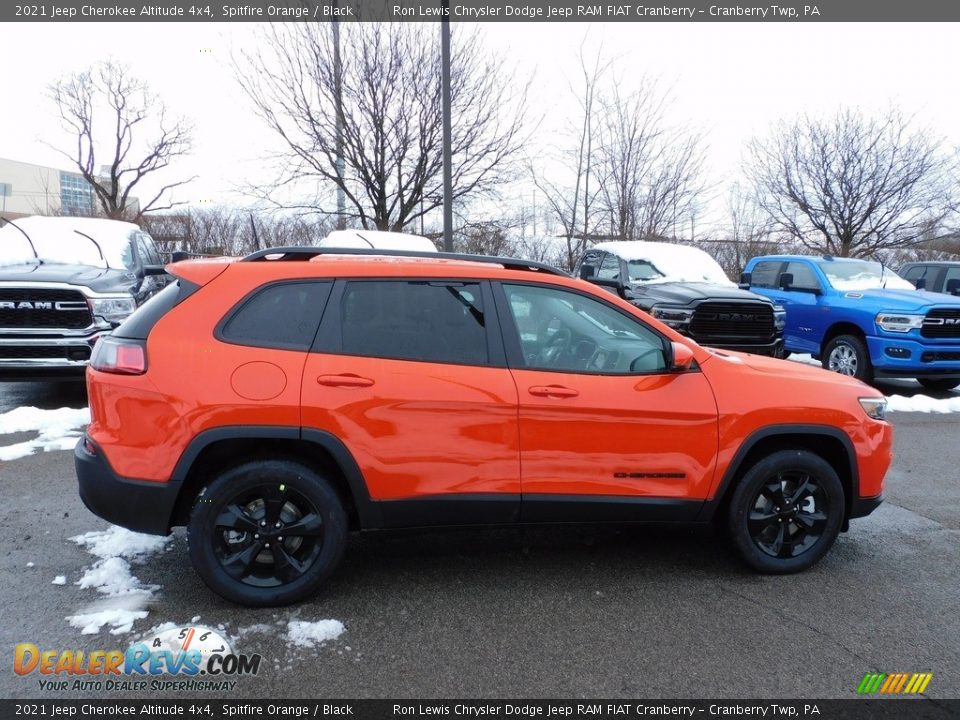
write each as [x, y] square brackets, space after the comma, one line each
[804, 359]
[303, 633]
[923, 404]
[127, 597]
[57, 429]
[59, 580]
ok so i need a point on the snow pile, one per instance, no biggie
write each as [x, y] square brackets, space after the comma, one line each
[923, 403]
[308, 634]
[59, 580]
[57, 429]
[127, 597]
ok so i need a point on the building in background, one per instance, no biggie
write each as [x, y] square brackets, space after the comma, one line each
[28, 189]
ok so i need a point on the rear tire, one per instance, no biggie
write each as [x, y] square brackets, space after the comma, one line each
[848, 355]
[939, 384]
[786, 512]
[267, 533]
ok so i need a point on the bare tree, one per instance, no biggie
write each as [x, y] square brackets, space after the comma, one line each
[651, 173]
[851, 185]
[387, 100]
[751, 232]
[573, 200]
[136, 139]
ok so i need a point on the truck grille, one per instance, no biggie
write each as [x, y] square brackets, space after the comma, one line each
[42, 308]
[941, 323]
[74, 353]
[742, 322]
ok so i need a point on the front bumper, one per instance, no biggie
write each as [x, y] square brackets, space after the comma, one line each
[26, 356]
[905, 357]
[771, 349]
[863, 506]
[137, 505]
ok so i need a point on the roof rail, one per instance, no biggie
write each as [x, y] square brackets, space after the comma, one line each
[306, 253]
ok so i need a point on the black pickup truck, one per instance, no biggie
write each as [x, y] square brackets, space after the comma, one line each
[64, 283]
[686, 289]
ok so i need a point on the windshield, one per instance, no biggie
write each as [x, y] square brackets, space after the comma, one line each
[658, 263]
[861, 275]
[62, 246]
[640, 270]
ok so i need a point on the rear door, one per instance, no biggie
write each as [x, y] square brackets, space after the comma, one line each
[606, 430]
[410, 374]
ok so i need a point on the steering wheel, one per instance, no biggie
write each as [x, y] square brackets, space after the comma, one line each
[641, 356]
[558, 344]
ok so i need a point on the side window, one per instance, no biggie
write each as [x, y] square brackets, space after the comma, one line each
[804, 276]
[766, 274]
[439, 322]
[148, 249]
[610, 267]
[283, 315]
[953, 273]
[565, 331]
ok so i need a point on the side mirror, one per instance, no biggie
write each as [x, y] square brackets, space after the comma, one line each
[587, 272]
[746, 280]
[953, 286]
[154, 270]
[179, 256]
[786, 280]
[920, 283]
[682, 357]
[617, 286]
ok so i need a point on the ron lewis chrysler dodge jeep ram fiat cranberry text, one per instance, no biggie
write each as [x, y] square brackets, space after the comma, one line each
[273, 404]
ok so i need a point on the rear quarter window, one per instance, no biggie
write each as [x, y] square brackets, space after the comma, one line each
[284, 316]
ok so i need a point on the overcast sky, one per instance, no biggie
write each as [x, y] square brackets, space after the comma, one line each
[730, 80]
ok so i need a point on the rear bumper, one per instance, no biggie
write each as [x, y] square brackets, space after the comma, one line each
[137, 505]
[863, 506]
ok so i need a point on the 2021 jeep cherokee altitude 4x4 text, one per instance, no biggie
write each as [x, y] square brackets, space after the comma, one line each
[275, 403]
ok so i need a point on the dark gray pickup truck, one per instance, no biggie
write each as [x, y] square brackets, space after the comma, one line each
[686, 289]
[65, 282]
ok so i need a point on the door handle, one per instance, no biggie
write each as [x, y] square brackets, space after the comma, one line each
[344, 380]
[558, 391]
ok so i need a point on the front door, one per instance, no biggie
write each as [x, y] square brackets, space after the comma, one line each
[604, 424]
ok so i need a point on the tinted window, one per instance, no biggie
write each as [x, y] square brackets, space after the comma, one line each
[804, 276]
[284, 315]
[562, 330]
[610, 267]
[147, 249]
[591, 258]
[409, 320]
[766, 274]
[953, 273]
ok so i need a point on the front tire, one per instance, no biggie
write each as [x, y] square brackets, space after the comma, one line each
[267, 533]
[786, 512]
[939, 384]
[848, 355]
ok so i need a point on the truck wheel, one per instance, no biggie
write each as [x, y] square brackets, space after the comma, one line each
[267, 533]
[847, 355]
[939, 384]
[786, 512]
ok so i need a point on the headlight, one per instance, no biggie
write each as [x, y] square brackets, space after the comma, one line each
[113, 309]
[780, 316]
[674, 317]
[899, 322]
[874, 407]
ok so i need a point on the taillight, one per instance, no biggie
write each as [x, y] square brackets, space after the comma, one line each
[119, 355]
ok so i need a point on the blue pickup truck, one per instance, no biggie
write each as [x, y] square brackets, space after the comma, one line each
[861, 319]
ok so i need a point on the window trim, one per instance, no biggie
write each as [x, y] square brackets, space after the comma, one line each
[511, 334]
[218, 331]
[329, 337]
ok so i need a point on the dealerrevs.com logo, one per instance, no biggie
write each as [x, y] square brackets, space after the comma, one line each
[196, 657]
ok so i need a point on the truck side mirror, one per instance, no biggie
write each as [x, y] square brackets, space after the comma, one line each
[786, 280]
[921, 283]
[179, 255]
[953, 286]
[587, 272]
[746, 280]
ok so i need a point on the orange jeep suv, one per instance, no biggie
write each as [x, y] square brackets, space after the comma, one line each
[275, 403]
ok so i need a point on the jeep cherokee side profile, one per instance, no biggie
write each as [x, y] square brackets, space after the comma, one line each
[274, 403]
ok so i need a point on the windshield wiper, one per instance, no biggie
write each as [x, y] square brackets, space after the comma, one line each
[99, 249]
[24, 233]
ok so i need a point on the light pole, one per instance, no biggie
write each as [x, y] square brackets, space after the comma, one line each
[445, 101]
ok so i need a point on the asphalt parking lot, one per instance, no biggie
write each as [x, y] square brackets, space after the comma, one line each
[546, 612]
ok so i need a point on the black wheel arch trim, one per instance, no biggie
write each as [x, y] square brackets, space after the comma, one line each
[735, 467]
[367, 510]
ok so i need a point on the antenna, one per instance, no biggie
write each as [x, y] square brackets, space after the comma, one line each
[24, 233]
[99, 249]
